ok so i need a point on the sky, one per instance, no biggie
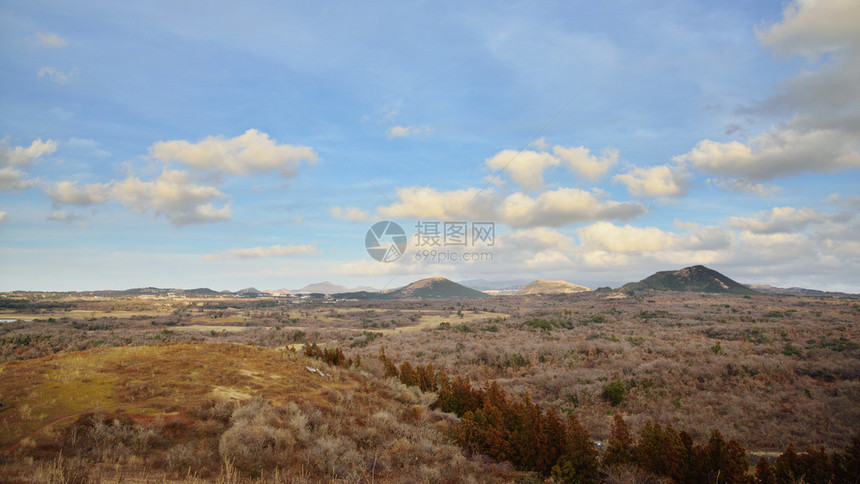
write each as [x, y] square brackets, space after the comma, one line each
[235, 144]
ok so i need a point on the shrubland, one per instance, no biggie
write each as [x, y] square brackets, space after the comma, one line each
[773, 379]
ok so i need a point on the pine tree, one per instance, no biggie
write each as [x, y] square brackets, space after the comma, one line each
[407, 375]
[578, 464]
[764, 472]
[788, 466]
[619, 449]
[387, 365]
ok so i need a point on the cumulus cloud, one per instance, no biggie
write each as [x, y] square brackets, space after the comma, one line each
[525, 168]
[67, 192]
[818, 111]
[13, 180]
[606, 236]
[404, 131]
[812, 28]
[580, 160]
[56, 75]
[262, 252]
[13, 159]
[51, 40]
[430, 203]
[24, 157]
[250, 152]
[624, 239]
[563, 206]
[655, 181]
[351, 214]
[779, 152]
[172, 194]
[552, 208]
[745, 186]
[785, 220]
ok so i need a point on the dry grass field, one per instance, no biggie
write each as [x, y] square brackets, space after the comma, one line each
[765, 370]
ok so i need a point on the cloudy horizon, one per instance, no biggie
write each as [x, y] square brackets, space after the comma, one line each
[254, 144]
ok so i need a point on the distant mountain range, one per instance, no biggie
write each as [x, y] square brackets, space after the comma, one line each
[552, 287]
[690, 279]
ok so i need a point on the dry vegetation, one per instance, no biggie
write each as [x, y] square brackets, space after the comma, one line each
[765, 370]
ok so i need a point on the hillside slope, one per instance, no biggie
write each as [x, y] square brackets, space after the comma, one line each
[430, 288]
[690, 279]
[185, 408]
[551, 287]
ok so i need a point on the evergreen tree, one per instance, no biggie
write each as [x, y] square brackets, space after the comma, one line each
[619, 448]
[578, 464]
[788, 467]
[764, 472]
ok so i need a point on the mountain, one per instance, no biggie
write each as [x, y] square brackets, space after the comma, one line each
[327, 287]
[690, 279]
[249, 291]
[430, 288]
[322, 288]
[551, 287]
[796, 291]
[201, 291]
[487, 285]
[436, 287]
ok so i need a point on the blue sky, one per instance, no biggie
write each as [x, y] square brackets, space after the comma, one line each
[230, 144]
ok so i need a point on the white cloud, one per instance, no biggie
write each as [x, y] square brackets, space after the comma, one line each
[625, 239]
[779, 220]
[779, 152]
[172, 194]
[56, 75]
[404, 131]
[24, 157]
[12, 178]
[552, 208]
[540, 144]
[580, 160]
[2, 217]
[525, 167]
[655, 181]
[747, 186]
[562, 206]
[51, 41]
[811, 27]
[262, 252]
[70, 193]
[429, 203]
[251, 152]
[352, 214]
[817, 112]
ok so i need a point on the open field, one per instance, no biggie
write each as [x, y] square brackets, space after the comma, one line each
[766, 370]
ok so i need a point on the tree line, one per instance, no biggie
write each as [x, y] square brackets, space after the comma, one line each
[534, 439]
